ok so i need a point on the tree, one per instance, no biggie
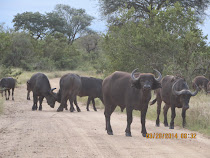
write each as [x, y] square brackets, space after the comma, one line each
[62, 55]
[89, 42]
[111, 8]
[76, 21]
[22, 52]
[173, 44]
[34, 23]
[5, 42]
[55, 23]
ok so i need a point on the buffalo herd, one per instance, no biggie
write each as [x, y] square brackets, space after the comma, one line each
[130, 91]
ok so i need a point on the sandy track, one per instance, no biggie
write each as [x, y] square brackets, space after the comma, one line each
[26, 133]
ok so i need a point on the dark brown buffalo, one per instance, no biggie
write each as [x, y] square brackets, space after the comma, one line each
[6, 84]
[28, 90]
[201, 82]
[70, 85]
[91, 87]
[41, 88]
[130, 92]
[175, 93]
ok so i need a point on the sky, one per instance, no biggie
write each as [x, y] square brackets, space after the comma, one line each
[9, 8]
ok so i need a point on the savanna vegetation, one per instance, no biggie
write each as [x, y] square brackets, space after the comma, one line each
[164, 35]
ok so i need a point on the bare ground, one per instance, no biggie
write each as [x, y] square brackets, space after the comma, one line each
[25, 133]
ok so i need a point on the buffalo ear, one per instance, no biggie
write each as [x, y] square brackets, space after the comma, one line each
[156, 85]
[136, 84]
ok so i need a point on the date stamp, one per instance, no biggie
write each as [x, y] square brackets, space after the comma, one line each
[171, 135]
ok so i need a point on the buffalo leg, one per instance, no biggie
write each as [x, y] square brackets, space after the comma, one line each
[66, 106]
[40, 102]
[107, 112]
[63, 103]
[13, 94]
[165, 111]
[129, 121]
[88, 102]
[34, 107]
[173, 115]
[8, 94]
[183, 117]
[28, 95]
[71, 106]
[94, 104]
[158, 112]
[75, 102]
[143, 118]
[5, 94]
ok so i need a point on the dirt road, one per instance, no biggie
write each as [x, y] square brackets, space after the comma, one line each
[39, 134]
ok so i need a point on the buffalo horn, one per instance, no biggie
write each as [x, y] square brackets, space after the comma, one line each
[159, 77]
[132, 75]
[177, 92]
[197, 89]
[52, 89]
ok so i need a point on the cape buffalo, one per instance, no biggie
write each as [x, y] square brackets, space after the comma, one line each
[6, 84]
[130, 92]
[175, 93]
[28, 90]
[91, 87]
[40, 86]
[70, 85]
[201, 82]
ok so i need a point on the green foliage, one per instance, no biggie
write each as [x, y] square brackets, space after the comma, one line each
[5, 41]
[64, 56]
[35, 23]
[21, 53]
[170, 44]
[66, 20]
[76, 21]
[9, 72]
[142, 9]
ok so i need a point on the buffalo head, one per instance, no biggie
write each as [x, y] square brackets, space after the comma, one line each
[184, 95]
[146, 81]
[51, 98]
